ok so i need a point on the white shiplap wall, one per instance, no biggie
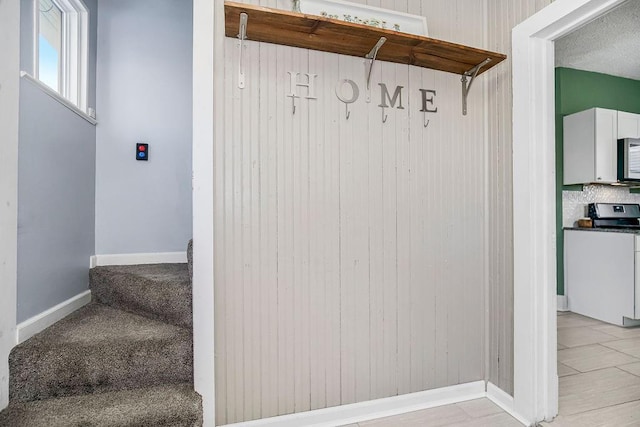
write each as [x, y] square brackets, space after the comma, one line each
[350, 254]
[502, 16]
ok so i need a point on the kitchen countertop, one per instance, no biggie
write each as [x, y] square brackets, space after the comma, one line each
[607, 230]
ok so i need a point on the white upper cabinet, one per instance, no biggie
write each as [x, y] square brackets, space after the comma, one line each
[590, 146]
[628, 125]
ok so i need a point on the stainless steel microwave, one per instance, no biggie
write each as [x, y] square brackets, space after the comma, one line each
[629, 159]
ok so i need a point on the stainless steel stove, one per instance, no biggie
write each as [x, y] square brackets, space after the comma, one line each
[615, 215]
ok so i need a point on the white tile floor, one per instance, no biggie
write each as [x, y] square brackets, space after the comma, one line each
[473, 413]
[599, 370]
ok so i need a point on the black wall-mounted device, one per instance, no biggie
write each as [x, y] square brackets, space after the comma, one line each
[142, 151]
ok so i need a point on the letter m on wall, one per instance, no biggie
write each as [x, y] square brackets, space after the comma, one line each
[384, 97]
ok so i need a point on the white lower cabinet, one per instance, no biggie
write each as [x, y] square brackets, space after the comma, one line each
[602, 275]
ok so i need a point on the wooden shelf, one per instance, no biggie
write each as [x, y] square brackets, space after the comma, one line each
[332, 35]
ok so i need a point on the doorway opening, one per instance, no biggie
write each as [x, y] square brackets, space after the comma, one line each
[535, 301]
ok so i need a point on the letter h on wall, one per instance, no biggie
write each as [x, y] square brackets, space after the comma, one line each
[294, 83]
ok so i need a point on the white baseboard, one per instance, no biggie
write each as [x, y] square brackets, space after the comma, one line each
[372, 409]
[504, 401]
[563, 303]
[32, 326]
[140, 258]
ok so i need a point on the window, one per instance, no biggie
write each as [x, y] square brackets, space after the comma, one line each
[61, 48]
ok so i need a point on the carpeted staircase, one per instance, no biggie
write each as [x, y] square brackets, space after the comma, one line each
[125, 359]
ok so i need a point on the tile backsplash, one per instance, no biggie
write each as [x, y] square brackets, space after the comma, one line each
[574, 203]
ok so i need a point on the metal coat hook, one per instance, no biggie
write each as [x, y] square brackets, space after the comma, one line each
[371, 57]
[347, 113]
[242, 35]
[384, 116]
[426, 123]
[293, 103]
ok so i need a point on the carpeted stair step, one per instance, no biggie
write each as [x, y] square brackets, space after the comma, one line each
[99, 349]
[157, 291]
[170, 405]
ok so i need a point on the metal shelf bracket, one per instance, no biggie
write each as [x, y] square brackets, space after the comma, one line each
[466, 87]
[242, 35]
[370, 59]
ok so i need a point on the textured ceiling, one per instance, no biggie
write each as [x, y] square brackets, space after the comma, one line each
[609, 44]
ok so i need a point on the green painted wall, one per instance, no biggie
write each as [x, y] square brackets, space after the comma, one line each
[576, 91]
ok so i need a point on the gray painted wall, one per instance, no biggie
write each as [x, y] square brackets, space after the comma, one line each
[56, 193]
[56, 189]
[144, 95]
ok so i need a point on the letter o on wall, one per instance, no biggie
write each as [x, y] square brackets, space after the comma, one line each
[355, 92]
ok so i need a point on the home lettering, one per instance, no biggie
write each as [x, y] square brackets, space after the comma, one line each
[348, 92]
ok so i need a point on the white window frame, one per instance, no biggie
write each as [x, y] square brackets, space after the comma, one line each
[74, 53]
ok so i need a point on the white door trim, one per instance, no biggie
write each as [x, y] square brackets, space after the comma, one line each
[535, 341]
[208, 80]
[9, 121]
